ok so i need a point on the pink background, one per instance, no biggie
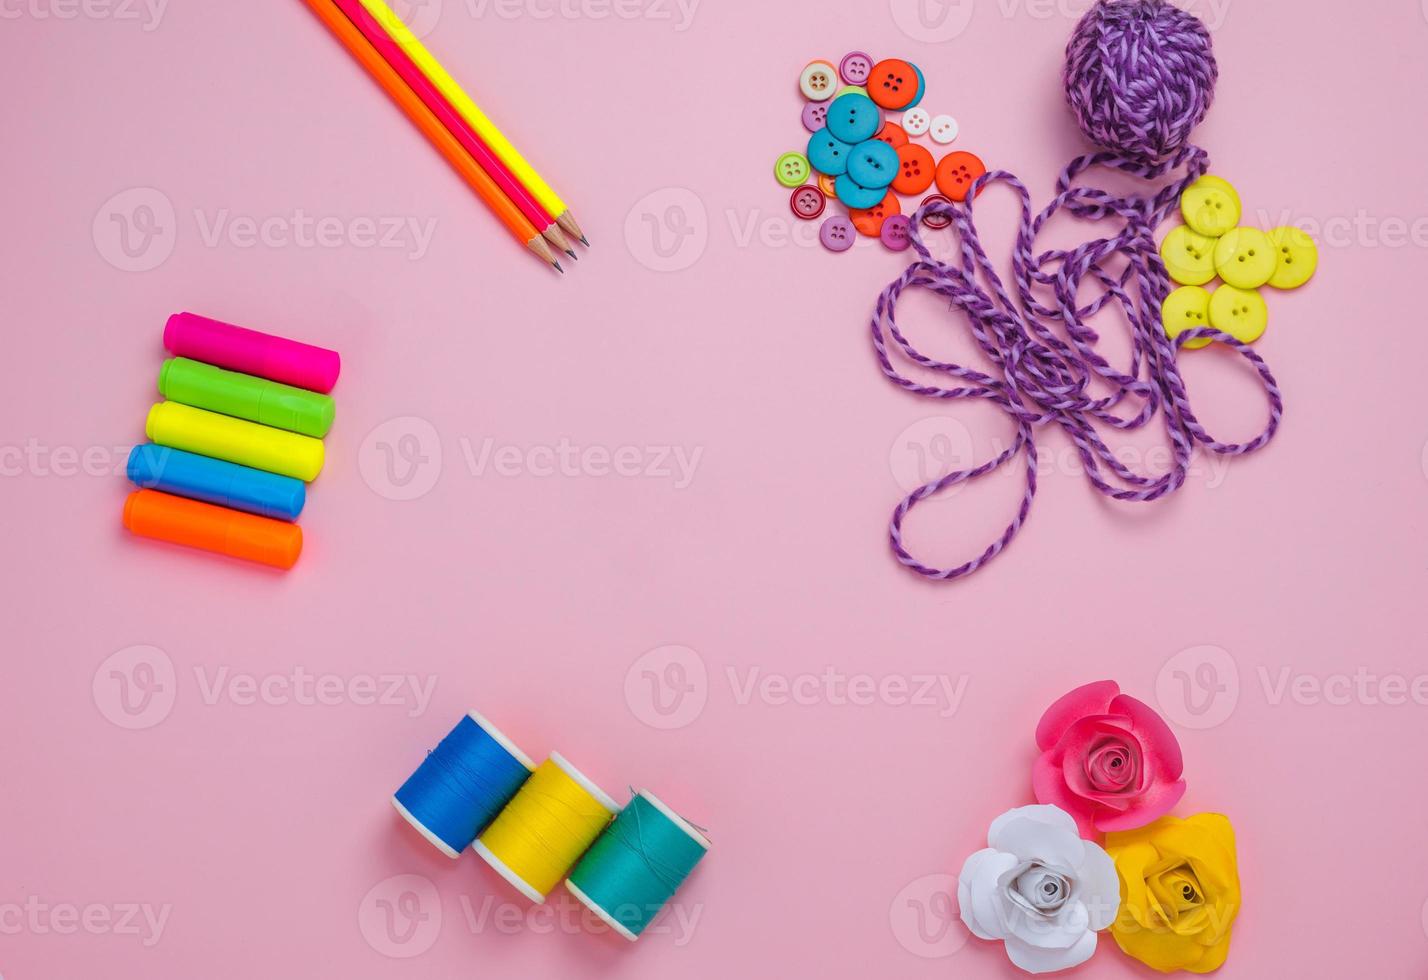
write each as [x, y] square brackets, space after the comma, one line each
[152, 778]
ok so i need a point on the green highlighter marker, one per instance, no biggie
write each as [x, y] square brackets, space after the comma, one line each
[246, 397]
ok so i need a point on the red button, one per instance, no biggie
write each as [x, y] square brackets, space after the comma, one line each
[935, 220]
[893, 135]
[956, 172]
[915, 169]
[892, 84]
[807, 201]
[869, 221]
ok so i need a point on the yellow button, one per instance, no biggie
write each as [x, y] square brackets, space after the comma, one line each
[1188, 308]
[1189, 257]
[1241, 313]
[1211, 206]
[1246, 258]
[1298, 257]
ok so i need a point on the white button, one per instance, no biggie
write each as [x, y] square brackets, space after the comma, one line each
[944, 129]
[915, 121]
[818, 81]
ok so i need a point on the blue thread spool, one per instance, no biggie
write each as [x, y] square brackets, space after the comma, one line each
[633, 869]
[462, 784]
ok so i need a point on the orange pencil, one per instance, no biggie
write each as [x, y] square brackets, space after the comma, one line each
[426, 121]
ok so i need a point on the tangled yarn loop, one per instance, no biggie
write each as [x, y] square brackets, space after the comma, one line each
[1053, 375]
[1139, 77]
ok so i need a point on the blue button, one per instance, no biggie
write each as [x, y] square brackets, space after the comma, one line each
[873, 164]
[921, 89]
[828, 155]
[854, 118]
[855, 195]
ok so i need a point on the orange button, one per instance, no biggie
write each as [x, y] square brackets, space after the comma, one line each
[825, 184]
[893, 84]
[956, 172]
[915, 169]
[869, 221]
[893, 135]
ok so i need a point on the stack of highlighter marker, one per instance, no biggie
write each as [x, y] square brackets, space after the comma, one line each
[233, 448]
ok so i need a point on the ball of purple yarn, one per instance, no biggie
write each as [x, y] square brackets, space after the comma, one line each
[1140, 75]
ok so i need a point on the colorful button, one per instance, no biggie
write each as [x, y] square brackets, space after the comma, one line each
[915, 169]
[791, 169]
[896, 234]
[869, 221]
[855, 67]
[818, 81]
[943, 129]
[807, 201]
[855, 195]
[828, 154]
[916, 122]
[815, 116]
[853, 118]
[1189, 256]
[893, 84]
[1211, 206]
[851, 90]
[1187, 308]
[1241, 313]
[825, 184]
[1298, 257]
[873, 164]
[956, 172]
[931, 219]
[921, 88]
[1245, 257]
[836, 234]
[893, 135]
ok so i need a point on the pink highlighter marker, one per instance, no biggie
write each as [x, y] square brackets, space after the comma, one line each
[239, 349]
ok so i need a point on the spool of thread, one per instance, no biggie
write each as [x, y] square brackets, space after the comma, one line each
[246, 397]
[462, 784]
[252, 352]
[237, 441]
[152, 514]
[633, 868]
[215, 481]
[545, 828]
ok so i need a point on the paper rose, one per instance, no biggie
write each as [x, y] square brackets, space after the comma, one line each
[1180, 892]
[1039, 888]
[1107, 759]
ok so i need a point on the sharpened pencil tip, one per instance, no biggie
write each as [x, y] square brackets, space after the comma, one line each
[571, 253]
[585, 241]
[558, 268]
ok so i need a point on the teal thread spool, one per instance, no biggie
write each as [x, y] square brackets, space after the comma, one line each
[634, 867]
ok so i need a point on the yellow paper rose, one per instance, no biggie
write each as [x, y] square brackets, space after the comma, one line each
[1180, 891]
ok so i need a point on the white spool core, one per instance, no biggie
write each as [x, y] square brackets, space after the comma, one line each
[505, 742]
[610, 920]
[517, 882]
[600, 795]
[436, 841]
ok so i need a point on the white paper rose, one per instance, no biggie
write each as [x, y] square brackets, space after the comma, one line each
[1040, 889]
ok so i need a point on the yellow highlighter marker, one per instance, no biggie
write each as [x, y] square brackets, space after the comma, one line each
[235, 440]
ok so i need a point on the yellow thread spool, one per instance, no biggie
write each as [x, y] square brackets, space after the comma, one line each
[546, 827]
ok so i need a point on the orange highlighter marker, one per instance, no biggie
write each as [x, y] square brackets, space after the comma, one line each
[153, 514]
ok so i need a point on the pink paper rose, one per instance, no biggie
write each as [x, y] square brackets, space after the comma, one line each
[1107, 759]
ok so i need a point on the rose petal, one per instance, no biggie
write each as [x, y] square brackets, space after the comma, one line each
[976, 892]
[1049, 784]
[1058, 932]
[1034, 959]
[1161, 749]
[1089, 699]
[1100, 886]
[1157, 800]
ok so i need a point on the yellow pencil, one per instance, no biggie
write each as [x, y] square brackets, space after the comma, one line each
[474, 117]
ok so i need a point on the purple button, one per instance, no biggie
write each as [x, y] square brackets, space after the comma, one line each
[836, 234]
[815, 116]
[855, 68]
[895, 233]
